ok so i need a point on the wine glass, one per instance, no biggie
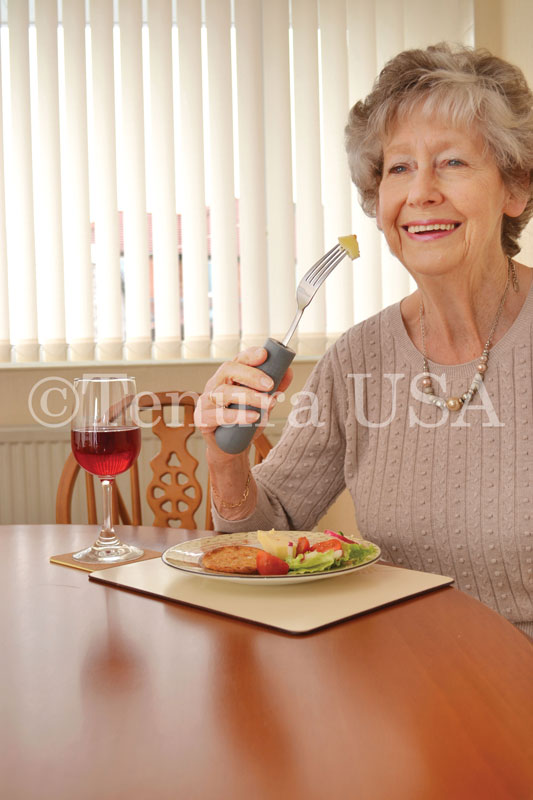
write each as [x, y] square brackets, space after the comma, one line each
[105, 441]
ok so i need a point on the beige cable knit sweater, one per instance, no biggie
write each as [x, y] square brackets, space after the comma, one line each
[444, 493]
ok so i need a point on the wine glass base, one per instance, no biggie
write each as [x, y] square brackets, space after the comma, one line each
[115, 554]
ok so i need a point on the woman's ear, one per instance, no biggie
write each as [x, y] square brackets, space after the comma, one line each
[518, 196]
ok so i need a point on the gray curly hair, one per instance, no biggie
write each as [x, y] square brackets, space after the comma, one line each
[464, 86]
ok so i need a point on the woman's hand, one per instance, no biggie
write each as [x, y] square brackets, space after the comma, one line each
[240, 382]
[237, 382]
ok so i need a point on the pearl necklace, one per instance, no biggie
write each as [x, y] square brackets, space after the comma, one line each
[456, 403]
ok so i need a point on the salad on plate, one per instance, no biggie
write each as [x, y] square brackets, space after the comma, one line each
[282, 553]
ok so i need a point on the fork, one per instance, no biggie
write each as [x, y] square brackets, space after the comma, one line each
[311, 283]
[235, 438]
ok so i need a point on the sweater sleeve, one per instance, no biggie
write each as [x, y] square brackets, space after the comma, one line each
[303, 474]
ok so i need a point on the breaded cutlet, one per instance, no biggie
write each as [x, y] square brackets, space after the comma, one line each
[232, 558]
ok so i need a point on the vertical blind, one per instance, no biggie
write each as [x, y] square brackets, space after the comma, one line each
[170, 168]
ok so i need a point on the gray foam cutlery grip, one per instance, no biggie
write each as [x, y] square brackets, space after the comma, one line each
[236, 438]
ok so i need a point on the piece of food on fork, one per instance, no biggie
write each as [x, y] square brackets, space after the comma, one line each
[350, 244]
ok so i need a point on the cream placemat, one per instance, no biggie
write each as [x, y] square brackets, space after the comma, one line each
[295, 609]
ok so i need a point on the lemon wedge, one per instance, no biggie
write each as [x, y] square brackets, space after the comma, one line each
[349, 243]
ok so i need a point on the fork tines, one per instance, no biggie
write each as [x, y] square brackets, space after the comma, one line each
[325, 265]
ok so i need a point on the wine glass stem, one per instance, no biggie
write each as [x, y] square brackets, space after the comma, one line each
[107, 536]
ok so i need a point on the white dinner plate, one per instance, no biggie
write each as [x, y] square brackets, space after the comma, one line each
[187, 557]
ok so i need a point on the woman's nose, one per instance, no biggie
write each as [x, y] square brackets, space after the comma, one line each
[424, 189]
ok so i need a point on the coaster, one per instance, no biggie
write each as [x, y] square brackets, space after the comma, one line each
[66, 560]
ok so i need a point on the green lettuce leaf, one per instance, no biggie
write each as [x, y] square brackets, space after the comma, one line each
[313, 562]
[356, 553]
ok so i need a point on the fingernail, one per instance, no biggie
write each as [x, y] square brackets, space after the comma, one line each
[266, 382]
[258, 353]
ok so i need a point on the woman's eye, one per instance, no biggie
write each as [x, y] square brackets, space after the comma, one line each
[455, 162]
[397, 169]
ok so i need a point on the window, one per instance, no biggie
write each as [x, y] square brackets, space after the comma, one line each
[171, 168]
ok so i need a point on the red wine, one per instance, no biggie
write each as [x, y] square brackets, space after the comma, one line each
[106, 451]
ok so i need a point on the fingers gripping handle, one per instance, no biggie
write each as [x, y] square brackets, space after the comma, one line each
[236, 438]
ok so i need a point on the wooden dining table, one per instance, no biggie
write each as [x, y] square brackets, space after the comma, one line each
[111, 694]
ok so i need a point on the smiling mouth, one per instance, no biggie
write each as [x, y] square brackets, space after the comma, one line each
[431, 227]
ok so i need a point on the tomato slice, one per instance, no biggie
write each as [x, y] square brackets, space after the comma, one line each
[329, 544]
[267, 564]
[303, 545]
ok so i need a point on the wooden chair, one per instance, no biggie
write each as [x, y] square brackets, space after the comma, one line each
[174, 492]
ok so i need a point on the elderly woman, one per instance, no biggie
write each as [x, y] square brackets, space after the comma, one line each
[426, 409]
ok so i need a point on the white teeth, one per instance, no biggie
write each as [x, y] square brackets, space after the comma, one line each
[425, 228]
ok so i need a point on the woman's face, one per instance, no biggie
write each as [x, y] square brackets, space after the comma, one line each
[441, 198]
